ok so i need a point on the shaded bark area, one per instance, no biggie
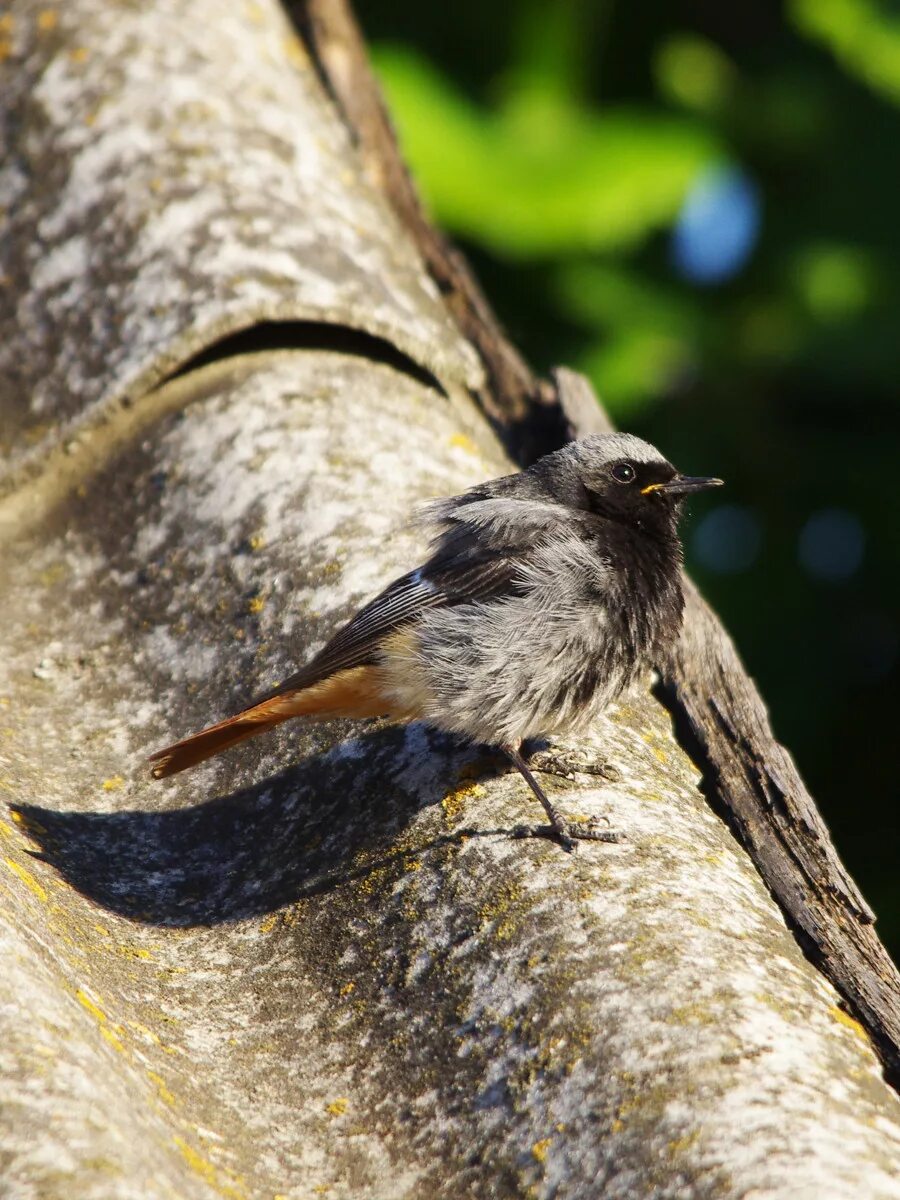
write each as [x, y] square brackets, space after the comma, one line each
[749, 778]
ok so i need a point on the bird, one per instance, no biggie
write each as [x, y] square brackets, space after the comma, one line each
[545, 595]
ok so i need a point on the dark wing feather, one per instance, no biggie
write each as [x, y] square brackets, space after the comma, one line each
[441, 582]
[484, 538]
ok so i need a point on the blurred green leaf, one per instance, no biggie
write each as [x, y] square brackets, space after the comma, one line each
[552, 46]
[607, 295]
[864, 36]
[633, 368]
[540, 174]
[645, 337]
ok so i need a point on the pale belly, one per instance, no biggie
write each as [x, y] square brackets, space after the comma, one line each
[498, 675]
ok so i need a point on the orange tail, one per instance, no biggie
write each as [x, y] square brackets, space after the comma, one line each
[207, 742]
[352, 693]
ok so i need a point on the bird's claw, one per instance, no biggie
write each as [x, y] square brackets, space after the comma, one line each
[567, 764]
[569, 833]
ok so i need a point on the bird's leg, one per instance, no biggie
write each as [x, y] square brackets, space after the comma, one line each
[567, 833]
[567, 763]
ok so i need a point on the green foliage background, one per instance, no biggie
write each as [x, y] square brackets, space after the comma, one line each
[556, 141]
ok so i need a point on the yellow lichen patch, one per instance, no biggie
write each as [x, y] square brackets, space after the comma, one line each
[47, 20]
[225, 1182]
[6, 23]
[268, 923]
[133, 951]
[374, 882]
[462, 442]
[113, 783]
[413, 864]
[292, 916]
[78, 54]
[28, 823]
[691, 1014]
[501, 909]
[623, 1112]
[93, 1008]
[679, 1145]
[53, 574]
[257, 604]
[293, 52]
[539, 1149]
[338, 1107]
[161, 1090]
[113, 1038]
[146, 1032]
[845, 1019]
[454, 802]
[28, 879]
[347, 988]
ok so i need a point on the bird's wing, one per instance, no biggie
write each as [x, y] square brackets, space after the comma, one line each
[482, 550]
[442, 581]
[437, 584]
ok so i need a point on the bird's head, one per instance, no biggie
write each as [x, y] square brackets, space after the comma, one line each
[621, 477]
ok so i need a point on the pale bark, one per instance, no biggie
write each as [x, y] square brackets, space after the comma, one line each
[321, 962]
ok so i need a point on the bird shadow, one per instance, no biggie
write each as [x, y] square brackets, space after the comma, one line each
[311, 828]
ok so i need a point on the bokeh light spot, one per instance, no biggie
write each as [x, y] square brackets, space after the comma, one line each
[836, 282]
[831, 545]
[718, 226]
[693, 71]
[728, 539]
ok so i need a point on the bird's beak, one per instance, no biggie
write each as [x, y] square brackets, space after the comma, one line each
[682, 485]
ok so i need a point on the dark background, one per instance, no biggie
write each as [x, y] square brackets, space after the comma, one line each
[697, 204]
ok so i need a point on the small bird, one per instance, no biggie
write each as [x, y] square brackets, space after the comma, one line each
[545, 596]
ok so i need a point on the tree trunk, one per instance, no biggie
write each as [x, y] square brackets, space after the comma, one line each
[321, 964]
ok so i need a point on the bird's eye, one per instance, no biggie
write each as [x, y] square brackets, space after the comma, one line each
[623, 472]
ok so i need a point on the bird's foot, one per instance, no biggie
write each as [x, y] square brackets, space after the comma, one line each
[566, 763]
[569, 833]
